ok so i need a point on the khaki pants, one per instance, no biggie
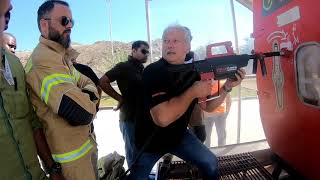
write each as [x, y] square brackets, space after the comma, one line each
[81, 169]
[219, 120]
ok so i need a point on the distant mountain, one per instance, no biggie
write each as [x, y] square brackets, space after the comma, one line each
[98, 55]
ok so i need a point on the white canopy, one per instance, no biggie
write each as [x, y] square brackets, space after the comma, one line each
[246, 3]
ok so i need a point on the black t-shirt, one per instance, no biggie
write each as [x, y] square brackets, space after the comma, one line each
[160, 86]
[87, 71]
[129, 79]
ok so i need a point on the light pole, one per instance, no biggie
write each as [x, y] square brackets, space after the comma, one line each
[148, 27]
[110, 28]
[237, 52]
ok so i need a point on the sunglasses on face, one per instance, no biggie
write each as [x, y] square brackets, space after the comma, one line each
[144, 51]
[64, 21]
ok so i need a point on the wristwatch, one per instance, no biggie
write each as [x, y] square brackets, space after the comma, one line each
[227, 90]
[55, 168]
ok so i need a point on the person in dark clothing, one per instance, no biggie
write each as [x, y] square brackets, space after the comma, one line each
[128, 75]
[87, 71]
[169, 101]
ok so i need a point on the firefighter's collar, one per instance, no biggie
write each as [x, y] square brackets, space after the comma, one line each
[71, 54]
[53, 45]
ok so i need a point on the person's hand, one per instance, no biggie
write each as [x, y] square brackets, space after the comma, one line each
[201, 88]
[57, 176]
[230, 83]
[120, 103]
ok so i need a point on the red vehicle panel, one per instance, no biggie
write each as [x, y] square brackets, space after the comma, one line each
[291, 122]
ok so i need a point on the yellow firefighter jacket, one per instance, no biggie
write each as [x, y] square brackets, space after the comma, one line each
[64, 100]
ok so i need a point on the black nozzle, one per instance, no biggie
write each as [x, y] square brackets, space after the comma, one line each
[255, 65]
[263, 66]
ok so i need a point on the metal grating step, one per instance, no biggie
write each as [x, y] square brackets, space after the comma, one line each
[242, 166]
[234, 167]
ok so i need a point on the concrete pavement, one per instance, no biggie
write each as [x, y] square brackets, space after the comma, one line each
[109, 137]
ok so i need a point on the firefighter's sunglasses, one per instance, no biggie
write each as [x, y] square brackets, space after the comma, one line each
[64, 21]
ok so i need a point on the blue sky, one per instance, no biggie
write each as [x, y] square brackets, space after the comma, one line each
[209, 20]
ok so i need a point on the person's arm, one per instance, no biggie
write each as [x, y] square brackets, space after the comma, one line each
[196, 123]
[42, 145]
[99, 92]
[87, 71]
[211, 105]
[43, 148]
[169, 111]
[228, 103]
[78, 103]
[117, 72]
[196, 116]
[105, 85]
[86, 85]
[45, 153]
[60, 92]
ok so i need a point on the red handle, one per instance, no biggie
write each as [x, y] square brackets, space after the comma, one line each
[208, 76]
[227, 45]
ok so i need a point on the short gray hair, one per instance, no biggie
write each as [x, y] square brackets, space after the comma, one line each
[46, 8]
[185, 29]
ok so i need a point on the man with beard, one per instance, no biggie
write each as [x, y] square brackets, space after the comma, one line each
[129, 79]
[64, 99]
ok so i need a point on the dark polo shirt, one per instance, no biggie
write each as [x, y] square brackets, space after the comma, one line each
[160, 86]
[129, 79]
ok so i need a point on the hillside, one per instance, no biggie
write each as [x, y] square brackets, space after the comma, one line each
[98, 55]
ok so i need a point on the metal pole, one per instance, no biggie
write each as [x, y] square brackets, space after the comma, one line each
[237, 51]
[110, 28]
[148, 28]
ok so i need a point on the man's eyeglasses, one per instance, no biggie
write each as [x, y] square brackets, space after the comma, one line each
[144, 51]
[64, 21]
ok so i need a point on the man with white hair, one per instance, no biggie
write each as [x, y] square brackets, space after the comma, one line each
[169, 101]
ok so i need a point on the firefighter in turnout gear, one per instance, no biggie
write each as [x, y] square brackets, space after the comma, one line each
[64, 100]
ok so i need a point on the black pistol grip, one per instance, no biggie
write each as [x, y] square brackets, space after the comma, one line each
[255, 65]
[263, 67]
